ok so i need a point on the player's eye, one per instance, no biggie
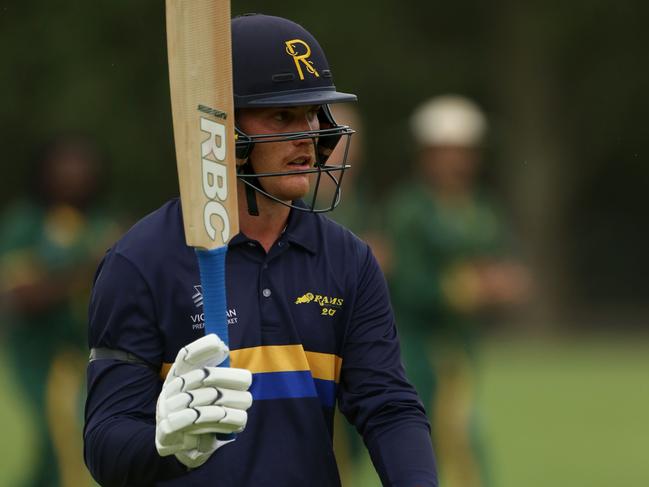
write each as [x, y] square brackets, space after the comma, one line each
[312, 114]
[281, 116]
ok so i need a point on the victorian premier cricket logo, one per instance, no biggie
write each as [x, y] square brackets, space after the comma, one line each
[214, 171]
[300, 52]
[198, 318]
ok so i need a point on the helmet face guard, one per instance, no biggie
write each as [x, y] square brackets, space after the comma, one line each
[277, 63]
[324, 141]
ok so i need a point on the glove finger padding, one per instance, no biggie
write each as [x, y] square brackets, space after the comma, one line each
[203, 419]
[218, 419]
[235, 379]
[208, 396]
[206, 351]
[221, 377]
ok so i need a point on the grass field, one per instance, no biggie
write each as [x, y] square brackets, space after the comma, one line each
[16, 447]
[566, 414]
[572, 414]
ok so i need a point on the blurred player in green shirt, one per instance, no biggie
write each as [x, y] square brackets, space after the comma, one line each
[51, 243]
[451, 264]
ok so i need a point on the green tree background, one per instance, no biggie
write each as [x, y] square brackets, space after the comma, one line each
[564, 85]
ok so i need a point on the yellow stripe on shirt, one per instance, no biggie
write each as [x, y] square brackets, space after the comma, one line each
[270, 358]
[282, 358]
[325, 366]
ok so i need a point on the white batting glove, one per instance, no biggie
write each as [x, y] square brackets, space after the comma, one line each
[199, 399]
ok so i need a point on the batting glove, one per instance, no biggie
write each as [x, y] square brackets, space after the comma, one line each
[199, 399]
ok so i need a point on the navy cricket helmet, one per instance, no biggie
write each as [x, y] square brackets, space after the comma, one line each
[278, 63]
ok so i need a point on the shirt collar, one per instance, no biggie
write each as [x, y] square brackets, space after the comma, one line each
[301, 229]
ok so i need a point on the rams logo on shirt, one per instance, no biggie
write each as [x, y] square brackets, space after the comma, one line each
[307, 298]
[328, 304]
[300, 52]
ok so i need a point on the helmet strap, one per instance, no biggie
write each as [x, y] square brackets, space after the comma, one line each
[251, 194]
[251, 200]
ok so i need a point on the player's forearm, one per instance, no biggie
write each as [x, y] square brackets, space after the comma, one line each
[393, 423]
[119, 435]
[121, 452]
[403, 455]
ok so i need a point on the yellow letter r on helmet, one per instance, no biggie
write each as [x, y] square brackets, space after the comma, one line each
[303, 57]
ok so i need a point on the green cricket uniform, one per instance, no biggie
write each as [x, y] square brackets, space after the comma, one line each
[354, 212]
[433, 245]
[62, 245]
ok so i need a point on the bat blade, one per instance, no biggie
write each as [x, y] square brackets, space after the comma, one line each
[200, 78]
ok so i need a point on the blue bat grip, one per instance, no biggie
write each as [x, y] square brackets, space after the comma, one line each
[211, 264]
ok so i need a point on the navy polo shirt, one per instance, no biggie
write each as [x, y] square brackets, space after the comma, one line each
[311, 319]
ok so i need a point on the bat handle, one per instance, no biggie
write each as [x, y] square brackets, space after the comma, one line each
[211, 264]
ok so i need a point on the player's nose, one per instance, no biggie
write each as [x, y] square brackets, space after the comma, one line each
[305, 123]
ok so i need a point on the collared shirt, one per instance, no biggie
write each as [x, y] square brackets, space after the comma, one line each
[311, 319]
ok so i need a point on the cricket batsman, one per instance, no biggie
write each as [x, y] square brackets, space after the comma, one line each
[309, 316]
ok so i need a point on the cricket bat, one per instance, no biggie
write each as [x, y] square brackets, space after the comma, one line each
[200, 78]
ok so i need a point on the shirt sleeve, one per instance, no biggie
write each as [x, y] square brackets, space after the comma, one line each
[375, 395]
[119, 432]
